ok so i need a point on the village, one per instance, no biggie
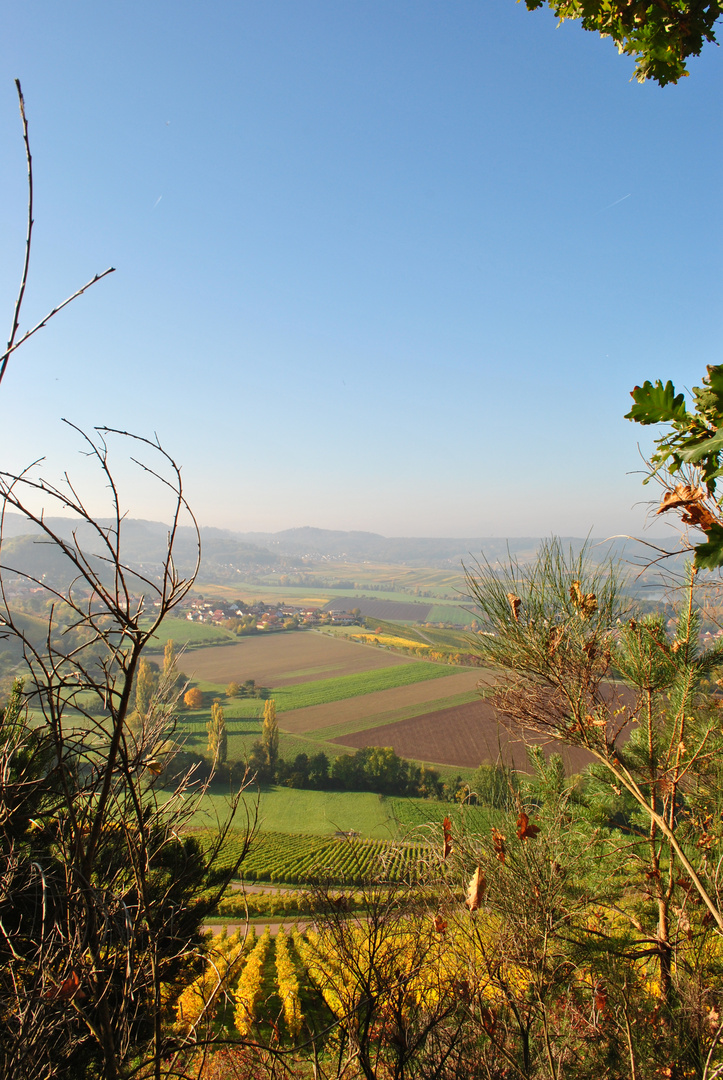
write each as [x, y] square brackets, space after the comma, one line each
[243, 618]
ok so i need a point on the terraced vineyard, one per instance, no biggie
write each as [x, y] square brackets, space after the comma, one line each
[295, 859]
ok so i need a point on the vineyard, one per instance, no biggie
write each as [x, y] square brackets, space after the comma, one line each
[253, 985]
[296, 859]
[282, 983]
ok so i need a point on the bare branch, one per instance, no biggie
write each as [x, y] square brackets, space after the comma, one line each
[14, 344]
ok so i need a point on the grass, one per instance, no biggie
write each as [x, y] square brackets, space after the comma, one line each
[189, 635]
[457, 640]
[303, 695]
[315, 813]
[240, 743]
[451, 613]
[411, 814]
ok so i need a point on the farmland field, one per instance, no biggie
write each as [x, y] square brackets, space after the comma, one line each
[319, 717]
[382, 609]
[287, 658]
[300, 859]
[319, 813]
[363, 684]
[413, 818]
[454, 613]
[393, 834]
[189, 635]
[466, 735]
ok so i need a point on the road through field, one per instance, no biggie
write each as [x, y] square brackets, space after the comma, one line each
[318, 717]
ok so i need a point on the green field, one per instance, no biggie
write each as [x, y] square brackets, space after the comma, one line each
[454, 613]
[425, 817]
[316, 813]
[302, 695]
[189, 635]
[322, 813]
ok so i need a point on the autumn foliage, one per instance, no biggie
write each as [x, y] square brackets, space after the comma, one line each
[193, 698]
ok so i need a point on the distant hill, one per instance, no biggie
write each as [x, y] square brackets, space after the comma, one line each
[144, 545]
[225, 552]
[431, 551]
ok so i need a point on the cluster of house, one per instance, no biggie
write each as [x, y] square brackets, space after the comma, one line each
[266, 616]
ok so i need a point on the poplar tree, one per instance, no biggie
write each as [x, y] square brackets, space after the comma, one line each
[169, 659]
[217, 734]
[270, 733]
[145, 688]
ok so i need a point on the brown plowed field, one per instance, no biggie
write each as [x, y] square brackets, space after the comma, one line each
[390, 610]
[464, 736]
[315, 717]
[286, 658]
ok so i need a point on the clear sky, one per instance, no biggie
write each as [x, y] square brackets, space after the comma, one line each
[390, 265]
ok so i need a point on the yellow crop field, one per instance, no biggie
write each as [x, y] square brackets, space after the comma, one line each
[387, 639]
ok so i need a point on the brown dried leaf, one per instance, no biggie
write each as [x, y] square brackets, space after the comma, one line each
[447, 829]
[498, 842]
[476, 890]
[586, 603]
[590, 649]
[576, 593]
[68, 989]
[682, 495]
[525, 831]
[440, 924]
[699, 517]
[515, 603]
[556, 635]
[489, 1020]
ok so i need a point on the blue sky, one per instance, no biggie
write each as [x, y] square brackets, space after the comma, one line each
[386, 265]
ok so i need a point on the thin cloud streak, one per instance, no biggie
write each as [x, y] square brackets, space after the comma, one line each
[602, 209]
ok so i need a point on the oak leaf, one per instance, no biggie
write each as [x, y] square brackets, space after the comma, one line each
[525, 831]
[684, 495]
[699, 517]
[476, 890]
